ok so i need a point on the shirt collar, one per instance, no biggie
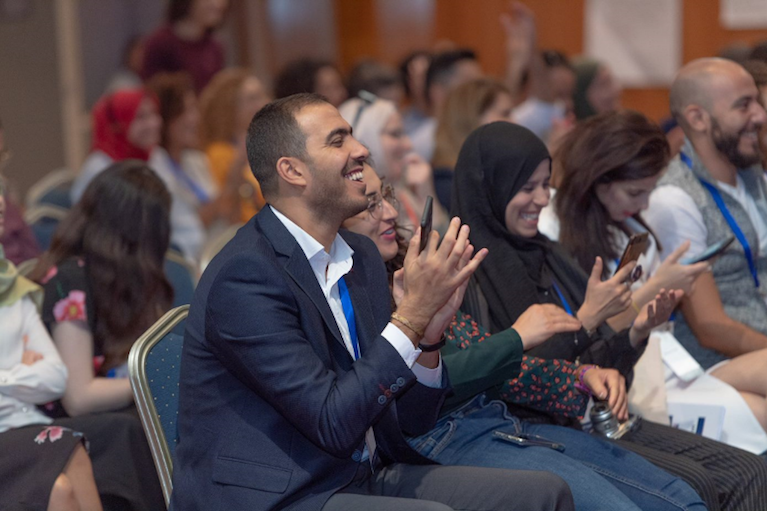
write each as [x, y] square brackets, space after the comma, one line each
[337, 263]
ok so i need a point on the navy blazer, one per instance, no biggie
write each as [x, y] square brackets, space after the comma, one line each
[273, 409]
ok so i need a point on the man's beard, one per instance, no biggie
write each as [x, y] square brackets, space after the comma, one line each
[727, 144]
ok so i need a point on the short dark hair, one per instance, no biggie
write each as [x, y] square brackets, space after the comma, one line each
[443, 64]
[299, 76]
[371, 76]
[274, 133]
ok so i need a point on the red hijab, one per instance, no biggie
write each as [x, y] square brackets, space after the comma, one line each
[112, 116]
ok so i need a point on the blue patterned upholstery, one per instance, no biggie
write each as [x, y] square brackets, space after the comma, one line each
[163, 364]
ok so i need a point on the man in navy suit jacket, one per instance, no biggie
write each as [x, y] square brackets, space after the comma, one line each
[297, 382]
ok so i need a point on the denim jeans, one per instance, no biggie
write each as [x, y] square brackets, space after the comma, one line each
[601, 475]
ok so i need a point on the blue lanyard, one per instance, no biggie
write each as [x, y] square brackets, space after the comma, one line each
[562, 299]
[717, 196]
[346, 304]
[182, 176]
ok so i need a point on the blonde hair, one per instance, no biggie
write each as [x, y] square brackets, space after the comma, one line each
[461, 115]
[218, 102]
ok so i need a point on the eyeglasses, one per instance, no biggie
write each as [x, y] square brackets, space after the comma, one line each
[375, 202]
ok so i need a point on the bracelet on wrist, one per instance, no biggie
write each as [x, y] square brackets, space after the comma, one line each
[579, 384]
[406, 323]
[428, 348]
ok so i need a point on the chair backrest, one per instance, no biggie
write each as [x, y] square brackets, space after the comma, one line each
[154, 364]
[43, 219]
[53, 189]
[182, 277]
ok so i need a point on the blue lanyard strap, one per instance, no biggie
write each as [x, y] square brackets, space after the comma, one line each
[346, 304]
[717, 196]
[562, 298]
[181, 175]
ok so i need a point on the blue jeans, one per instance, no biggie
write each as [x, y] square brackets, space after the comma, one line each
[601, 475]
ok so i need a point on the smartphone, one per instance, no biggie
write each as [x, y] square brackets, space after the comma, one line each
[524, 440]
[636, 247]
[426, 222]
[710, 252]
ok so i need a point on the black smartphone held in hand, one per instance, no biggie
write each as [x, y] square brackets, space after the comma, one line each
[710, 252]
[426, 222]
[636, 247]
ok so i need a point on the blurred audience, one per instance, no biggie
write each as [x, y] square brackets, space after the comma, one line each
[129, 74]
[311, 75]
[227, 105]
[196, 202]
[466, 108]
[596, 89]
[126, 124]
[186, 41]
[378, 79]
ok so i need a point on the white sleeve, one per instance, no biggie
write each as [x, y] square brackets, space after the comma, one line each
[403, 345]
[674, 218]
[46, 379]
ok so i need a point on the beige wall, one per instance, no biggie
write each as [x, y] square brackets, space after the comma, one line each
[29, 94]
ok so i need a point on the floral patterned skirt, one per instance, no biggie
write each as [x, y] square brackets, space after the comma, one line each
[31, 458]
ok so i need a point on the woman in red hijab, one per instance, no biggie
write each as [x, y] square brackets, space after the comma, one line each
[126, 125]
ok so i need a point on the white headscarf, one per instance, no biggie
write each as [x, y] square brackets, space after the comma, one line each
[367, 119]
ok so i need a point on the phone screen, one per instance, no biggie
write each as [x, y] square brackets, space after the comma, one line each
[426, 222]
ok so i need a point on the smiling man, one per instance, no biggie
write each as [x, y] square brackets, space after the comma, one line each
[715, 189]
[297, 381]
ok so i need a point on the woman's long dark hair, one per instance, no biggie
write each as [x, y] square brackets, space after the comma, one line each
[616, 146]
[121, 229]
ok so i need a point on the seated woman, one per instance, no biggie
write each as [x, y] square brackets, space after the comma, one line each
[125, 125]
[227, 105]
[41, 466]
[607, 167]
[484, 368]
[378, 125]
[501, 186]
[196, 202]
[104, 286]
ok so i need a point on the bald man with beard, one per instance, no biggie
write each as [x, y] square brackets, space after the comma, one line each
[713, 190]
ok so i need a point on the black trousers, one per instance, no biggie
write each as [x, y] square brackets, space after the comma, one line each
[726, 478]
[441, 488]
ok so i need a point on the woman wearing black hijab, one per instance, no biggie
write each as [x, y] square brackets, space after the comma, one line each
[500, 186]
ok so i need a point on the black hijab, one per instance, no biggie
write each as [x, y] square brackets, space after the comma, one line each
[495, 162]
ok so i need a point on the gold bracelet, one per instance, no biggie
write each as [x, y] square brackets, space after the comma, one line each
[636, 307]
[406, 323]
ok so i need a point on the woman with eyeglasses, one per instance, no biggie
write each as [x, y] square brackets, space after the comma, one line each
[378, 125]
[484, 368]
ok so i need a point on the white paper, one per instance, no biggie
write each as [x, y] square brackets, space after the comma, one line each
[741, 14]
[640, 40]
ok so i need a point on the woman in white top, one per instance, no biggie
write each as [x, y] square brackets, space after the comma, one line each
[606, 169]
[42, 466]
[195, 200]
